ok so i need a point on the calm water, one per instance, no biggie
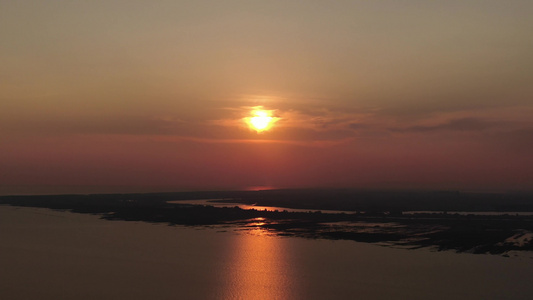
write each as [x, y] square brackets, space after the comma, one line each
[47, 254]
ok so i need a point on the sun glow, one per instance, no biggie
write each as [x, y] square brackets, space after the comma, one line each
[261, 120]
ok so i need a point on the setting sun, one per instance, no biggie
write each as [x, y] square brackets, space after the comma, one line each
[261, 120]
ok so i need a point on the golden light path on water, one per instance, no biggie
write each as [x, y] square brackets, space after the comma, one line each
[261, 268]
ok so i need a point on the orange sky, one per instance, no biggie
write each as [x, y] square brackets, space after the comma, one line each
[131, 95]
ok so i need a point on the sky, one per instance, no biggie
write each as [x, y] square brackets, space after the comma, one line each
[153, 95]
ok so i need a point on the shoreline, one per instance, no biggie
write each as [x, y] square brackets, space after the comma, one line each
[460, 233]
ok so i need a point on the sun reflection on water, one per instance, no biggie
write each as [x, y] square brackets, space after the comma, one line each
[260, 267]
[258, 222]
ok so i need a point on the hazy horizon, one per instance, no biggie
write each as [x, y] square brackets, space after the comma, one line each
[86, 190]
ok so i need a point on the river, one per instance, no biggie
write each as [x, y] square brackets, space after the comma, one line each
[47, 254]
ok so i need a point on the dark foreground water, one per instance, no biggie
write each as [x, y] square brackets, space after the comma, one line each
[47, 254]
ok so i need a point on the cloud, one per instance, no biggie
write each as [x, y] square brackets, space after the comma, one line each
[311, 125]
[462, 124]
[308, 143]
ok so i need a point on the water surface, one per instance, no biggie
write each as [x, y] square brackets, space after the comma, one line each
[49, 254]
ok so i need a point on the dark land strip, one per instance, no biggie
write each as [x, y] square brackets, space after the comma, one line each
[377, 218]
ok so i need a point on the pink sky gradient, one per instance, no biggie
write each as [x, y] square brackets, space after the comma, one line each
[369, 94]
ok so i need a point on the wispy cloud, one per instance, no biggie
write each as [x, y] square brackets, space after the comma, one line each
[462, 124]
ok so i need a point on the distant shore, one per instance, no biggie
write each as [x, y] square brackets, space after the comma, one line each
[377, 217]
